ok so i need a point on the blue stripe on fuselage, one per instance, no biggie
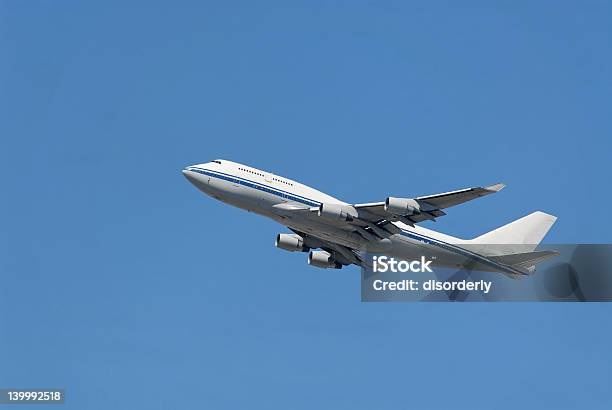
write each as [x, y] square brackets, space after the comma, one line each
[256, 185]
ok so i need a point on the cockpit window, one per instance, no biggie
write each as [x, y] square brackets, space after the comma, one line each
[217, 161]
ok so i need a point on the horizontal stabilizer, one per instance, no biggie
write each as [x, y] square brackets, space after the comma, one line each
[524, 260]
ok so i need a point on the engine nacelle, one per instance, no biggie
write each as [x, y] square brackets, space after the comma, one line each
[290, 242]
[337, 212]
[402, 206]
[323, 259]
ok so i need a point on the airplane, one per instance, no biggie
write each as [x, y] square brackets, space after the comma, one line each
[337, 234]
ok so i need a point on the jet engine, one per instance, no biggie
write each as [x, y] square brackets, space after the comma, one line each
[337, 212]
[290, 242]
[323, 259]
[402, 206]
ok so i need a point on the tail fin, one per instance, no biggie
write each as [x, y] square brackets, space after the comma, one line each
[522, 235]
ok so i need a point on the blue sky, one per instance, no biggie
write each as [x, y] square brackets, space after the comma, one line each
[127, 287]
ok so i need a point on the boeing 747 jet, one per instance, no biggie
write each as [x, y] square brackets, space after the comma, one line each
[336, 233]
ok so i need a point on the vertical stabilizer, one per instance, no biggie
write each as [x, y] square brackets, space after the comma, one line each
[522, 235]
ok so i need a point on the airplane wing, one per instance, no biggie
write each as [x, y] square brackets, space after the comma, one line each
[430, 206]
[374, 220]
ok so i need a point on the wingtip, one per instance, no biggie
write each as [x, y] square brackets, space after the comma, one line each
[496, 187]
[548, 216]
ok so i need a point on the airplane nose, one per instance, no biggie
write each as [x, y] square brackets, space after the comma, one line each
[190, 175]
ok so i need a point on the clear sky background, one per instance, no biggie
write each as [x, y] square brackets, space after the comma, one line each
[123, 284]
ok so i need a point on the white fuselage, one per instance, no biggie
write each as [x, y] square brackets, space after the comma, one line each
[270, 195]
